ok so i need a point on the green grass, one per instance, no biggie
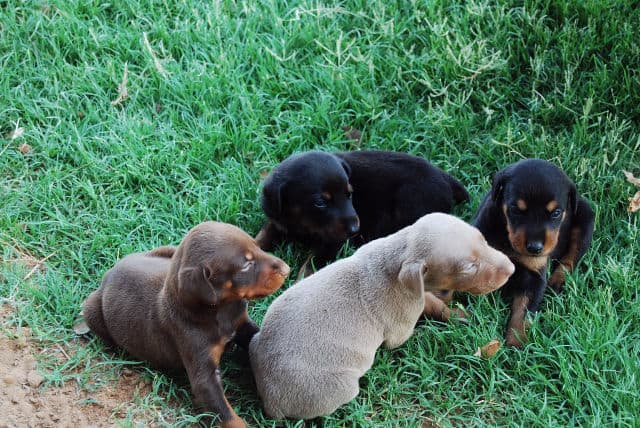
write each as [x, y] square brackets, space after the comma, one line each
[471, 85]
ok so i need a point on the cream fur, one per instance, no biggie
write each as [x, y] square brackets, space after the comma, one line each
[320, 336]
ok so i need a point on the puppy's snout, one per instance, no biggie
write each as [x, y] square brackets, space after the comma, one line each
[281, 267]
[507, 269]
[535, 247]
[352, 225]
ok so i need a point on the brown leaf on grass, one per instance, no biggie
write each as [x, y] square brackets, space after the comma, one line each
[631, 179]
[352, 133]
[24, 148]
[488, 350]
[634, 203]
[123, 93]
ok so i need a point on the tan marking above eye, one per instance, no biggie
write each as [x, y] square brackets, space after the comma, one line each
[326, 196]
[349, 188]
[227, 284]
[521, 204]
[248, 256]
[552, 205]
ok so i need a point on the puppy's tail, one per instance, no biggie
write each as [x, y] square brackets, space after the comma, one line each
[166, 251]
[460, 194]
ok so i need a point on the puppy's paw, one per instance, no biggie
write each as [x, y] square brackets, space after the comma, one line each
[517, 337]
[556, 281]
[234, 422]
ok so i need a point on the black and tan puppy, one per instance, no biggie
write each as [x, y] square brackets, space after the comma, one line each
[322, 199]
[178, 307]
[534, 214]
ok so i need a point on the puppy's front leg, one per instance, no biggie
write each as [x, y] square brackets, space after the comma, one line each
[202, 368]
[437, 309]
[527, 294]
[247, 328]
[269, 236]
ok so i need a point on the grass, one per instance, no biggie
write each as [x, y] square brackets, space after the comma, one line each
[225, 90]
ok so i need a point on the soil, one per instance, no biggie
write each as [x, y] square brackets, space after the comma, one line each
[26, 402]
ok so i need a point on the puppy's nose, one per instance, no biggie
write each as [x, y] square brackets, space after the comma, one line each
[281, 267]
[352, 225]
[535, 247]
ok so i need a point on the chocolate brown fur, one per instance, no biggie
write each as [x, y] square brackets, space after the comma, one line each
[534, 214]
[321, 335]
[178, 307]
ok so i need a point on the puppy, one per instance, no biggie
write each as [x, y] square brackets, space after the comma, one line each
[178, 307]
[534, 214]
[322, 199]
[320, 336]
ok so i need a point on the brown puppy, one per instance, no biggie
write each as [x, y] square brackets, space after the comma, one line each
[178, 307]
[321, 335]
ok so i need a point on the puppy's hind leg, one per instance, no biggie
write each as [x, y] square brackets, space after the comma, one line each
[166, 251]
[93, 316]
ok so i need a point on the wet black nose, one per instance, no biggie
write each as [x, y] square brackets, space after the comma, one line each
[535, 247]
[352, 225]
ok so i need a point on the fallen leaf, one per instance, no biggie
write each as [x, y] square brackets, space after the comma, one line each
[634, 203]
[488, 350]
[80, 114]
[631, 179]
[24, 148]
[352, 133]
[123, 93]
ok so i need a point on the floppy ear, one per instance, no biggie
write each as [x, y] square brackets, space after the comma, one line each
[345, 166]
[194, 286]
[272, 197]
[573, 196]
[412, 274]
[498, 186]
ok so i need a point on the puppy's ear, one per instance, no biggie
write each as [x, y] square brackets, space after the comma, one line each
[346, 167]
[412, 275]
[573, 199]
[272, 196]
[194, 286]
[497, 187]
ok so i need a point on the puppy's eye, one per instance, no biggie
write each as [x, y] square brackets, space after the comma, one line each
[514, 210]
[349, 194]
[320, 202]
[248, 265]
[470, 268]
[556, 214]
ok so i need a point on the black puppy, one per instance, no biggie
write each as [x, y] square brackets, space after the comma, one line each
[322, 199]
[534, 213]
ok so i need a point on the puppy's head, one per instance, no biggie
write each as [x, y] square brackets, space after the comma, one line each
[219, 262]
[454, 256]
[535, 197]
[311, 194]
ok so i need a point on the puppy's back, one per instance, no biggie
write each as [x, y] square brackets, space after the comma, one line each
[129, 294]
[314, 344]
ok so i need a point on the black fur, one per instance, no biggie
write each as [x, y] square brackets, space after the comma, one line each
[390, 191]
[547, 220]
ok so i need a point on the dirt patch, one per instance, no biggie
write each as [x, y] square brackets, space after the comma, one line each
[24, 402]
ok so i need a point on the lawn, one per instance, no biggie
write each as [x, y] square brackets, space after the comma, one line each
[218, 92]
